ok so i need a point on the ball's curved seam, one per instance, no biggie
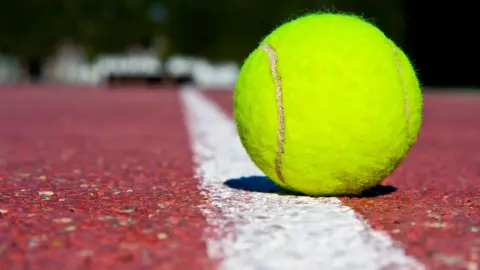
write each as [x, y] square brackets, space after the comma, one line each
[405, 94]
[369, 99]
[272, 55]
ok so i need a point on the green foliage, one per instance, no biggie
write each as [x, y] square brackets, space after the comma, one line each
[219, 29]
[22, 25]
[215, 29]
[32, 29]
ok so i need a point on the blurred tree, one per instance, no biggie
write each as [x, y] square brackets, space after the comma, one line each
[215, 29]
[219, 29]
[31, 29]
[113, 25]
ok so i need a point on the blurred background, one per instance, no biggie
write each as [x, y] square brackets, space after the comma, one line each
[204, 42]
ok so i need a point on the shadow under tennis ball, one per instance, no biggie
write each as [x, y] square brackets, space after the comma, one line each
[263, 184]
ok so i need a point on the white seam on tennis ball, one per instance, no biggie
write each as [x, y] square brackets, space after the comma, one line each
[273, 59]
[405, 94]
[272, 55]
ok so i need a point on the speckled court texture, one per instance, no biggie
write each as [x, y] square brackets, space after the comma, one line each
[102, 179]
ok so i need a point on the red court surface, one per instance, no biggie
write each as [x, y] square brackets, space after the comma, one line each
[97, 179]
[91, 179]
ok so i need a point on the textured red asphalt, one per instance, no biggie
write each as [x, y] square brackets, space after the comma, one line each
[435, 212]
[97, 180]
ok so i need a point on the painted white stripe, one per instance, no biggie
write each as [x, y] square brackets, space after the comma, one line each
[262, 230]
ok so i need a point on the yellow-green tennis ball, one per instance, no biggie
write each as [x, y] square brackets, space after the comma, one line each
[327, 105]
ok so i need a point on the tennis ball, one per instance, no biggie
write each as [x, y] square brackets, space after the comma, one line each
[327, 105]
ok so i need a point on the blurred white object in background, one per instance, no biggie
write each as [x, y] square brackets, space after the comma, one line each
[179, 66]
[69, 65]
[215, 75]
[10, 70]
[225, 75]
[138, 64]
[86, 74]
[203, 72]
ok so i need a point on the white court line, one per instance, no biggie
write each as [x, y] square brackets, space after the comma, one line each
[272, 231]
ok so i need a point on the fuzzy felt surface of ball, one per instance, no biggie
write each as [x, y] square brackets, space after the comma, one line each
[327, 105]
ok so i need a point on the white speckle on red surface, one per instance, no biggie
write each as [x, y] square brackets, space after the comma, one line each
[63, 220]
[45, 193]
